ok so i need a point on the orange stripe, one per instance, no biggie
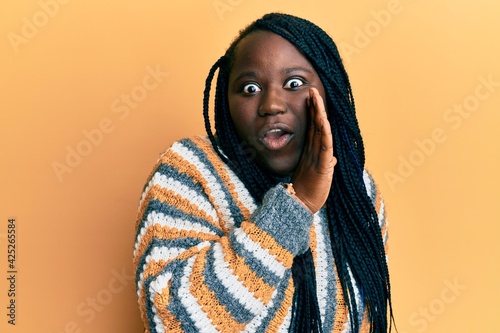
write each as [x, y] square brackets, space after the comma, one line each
[385, 224]
[173, 199]
[209, 303]
[219, 166]
[342, 310]
[165, 232]
[142, 307]
[245, 274]
[268, 242]
[165, 292]
[168, 319]
[154, 268]
[378, 199]
[365, 325]
[282, 312]
[313, 243]
[141, 210]
[173, 159]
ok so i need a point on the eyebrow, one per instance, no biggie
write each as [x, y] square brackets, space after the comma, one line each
[296, 69]
[245, 74]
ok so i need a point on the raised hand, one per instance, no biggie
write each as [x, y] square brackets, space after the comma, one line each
[313, 177]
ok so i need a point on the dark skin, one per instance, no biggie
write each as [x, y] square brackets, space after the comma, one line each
[276, 101]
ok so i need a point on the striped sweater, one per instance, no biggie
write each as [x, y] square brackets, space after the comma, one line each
[209, 259]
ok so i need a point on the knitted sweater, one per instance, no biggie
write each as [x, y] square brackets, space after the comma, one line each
[209, 259]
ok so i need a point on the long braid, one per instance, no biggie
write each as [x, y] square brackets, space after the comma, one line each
[356, 239]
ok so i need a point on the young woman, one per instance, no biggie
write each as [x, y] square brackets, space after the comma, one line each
[271, 224]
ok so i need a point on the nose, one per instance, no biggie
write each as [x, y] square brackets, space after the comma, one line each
[272, 103]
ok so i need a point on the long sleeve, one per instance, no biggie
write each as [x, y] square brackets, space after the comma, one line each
[207, 259]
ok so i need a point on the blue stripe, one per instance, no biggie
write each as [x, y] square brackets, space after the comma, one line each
[238, 312]
[235, 212]
[254, 263]
[331, 277]
[175, 306]
[175, 213]
[185, 243]
[277, 302]
[162, 207]
[173, 266]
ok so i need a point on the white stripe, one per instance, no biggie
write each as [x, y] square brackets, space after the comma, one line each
[143, 196]
[235, 287]
[257, 320]
[381, 214]
[156, 287]
[368, 183]
[264, 256]
[212, 183]
[158, 322]
[286, 323]
[242, 192]
[321, 268]
[359, 303]
[161, 219]
[185, 192]
[190, 303]
[164, 253]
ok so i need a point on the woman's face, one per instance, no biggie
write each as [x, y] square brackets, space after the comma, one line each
[268, 87]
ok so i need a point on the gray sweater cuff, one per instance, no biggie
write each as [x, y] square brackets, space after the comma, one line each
[285, 219]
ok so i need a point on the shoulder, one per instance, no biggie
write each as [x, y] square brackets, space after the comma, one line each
[201, 142]
[193, 149]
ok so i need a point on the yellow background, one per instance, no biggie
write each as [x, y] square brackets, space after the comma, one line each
[412, 64]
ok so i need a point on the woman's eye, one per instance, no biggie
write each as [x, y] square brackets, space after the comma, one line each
[250, 88]
[294, 83]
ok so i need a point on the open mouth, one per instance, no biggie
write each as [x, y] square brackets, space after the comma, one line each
[275, 137]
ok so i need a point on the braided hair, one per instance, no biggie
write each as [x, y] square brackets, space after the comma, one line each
[354, 230]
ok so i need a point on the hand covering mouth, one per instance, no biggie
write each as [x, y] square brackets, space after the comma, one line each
[275, 136]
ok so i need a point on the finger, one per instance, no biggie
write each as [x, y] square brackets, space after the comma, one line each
[323, 140]
[319, 117]
[326, 159]
[310, 119]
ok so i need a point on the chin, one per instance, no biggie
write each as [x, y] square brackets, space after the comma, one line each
[280, 168]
